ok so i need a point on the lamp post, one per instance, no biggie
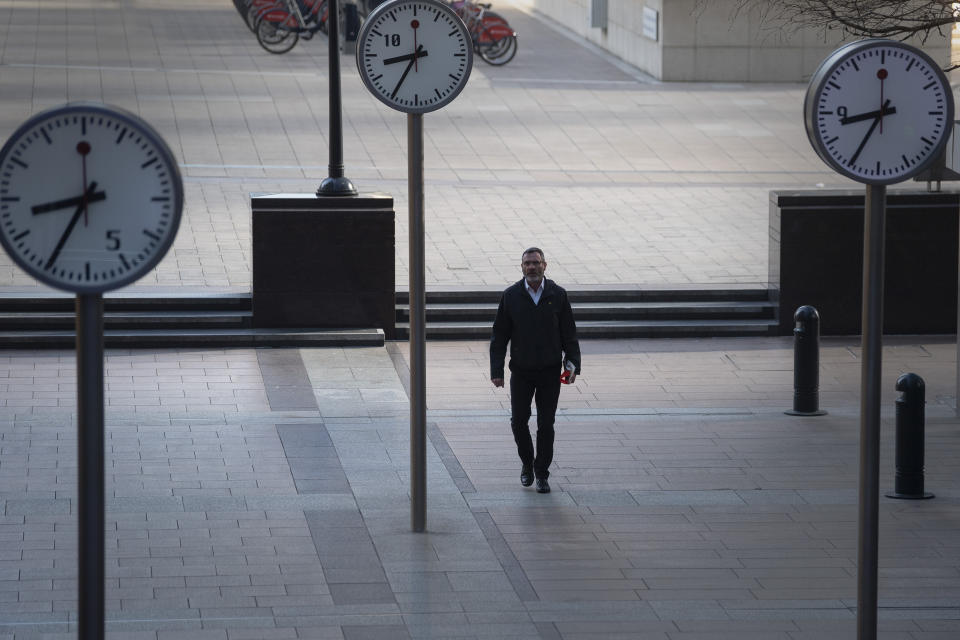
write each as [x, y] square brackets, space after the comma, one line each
[335, 184]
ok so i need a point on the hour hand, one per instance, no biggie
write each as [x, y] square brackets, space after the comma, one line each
[56, 205]
[420, 53]
[870, 115]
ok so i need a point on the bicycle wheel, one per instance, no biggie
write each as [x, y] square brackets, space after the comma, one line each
[274, 38]
[253, 13]
[498, 52]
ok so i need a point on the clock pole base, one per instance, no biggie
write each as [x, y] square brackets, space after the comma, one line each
[336, 187]
[909, 496]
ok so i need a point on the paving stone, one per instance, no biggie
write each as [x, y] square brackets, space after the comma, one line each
[374, 632]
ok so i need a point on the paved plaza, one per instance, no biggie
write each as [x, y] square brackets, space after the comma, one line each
[264, 494]
[622, 180]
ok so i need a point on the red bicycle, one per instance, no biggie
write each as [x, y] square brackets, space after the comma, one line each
[279, 24]
[493, 38]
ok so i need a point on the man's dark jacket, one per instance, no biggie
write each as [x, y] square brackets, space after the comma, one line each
[540, 335]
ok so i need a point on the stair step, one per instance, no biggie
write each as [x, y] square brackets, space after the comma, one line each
[30, 302]
[64, 320]
[206, 338]
[225, 319]
[606, 310]
[610, 329]
[602, 295]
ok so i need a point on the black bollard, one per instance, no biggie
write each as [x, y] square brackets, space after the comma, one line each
[908, 481]
[806, 363]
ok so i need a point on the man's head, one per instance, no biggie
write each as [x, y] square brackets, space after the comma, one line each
[533, 266]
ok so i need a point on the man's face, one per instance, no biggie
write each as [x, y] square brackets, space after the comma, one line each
[533, 266]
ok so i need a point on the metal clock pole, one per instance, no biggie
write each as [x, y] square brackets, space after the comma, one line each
[90, 465]
[424, 26]
[418, 374]
[146, 215]
[874, 232]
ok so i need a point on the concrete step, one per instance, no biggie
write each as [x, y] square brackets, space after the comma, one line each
[622, 294]
[165, 321]
[52, 301]
[199, 338]
[616, 310]
[133, 320]
[218, 320]
[610, 329]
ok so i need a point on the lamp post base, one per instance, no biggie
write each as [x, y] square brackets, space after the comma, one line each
[336, 187]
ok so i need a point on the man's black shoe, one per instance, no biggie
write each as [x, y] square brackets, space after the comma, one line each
[543, 486]
[526, 475]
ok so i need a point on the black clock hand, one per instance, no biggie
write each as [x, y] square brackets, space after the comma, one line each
[863, 143]
[66, 204]
[860, 117]
[413, 58]
[420, 53]
[73, 222]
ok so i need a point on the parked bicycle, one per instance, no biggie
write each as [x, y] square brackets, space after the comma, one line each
[279, 24]
[493, 38]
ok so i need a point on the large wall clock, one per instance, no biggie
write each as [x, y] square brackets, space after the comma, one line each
[414, 55]
[878, 111]
[90, 197]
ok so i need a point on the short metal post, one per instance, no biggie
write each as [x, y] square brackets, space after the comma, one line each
[90, 466]
[806, 363]
[908, 481]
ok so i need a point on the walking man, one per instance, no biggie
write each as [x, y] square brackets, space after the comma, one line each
[536, 319]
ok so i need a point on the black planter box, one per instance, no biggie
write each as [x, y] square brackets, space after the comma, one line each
[816, 258]
[323, 262]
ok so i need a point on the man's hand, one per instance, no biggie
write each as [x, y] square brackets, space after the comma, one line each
[572, 377]
[497, 382]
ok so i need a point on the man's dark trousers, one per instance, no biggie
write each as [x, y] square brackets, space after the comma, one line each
[544, 386]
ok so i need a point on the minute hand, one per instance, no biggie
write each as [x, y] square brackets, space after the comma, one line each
[860, 117]
[73, 222]
[420, 53]
[863, 142]
[413, 58]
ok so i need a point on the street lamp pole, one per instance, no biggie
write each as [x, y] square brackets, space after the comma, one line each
[335, 184]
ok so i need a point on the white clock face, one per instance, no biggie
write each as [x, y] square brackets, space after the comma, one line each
[90, 197]
[414, 55]
[878, 111]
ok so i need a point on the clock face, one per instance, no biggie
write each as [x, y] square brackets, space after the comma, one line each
[878, 111]
[414, 55]
[90, 197]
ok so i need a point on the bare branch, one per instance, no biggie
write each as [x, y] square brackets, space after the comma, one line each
[894, 19]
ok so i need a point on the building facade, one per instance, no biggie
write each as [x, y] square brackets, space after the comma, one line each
[701, 40]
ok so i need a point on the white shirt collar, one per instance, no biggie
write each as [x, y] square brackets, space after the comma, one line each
[535, 294]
